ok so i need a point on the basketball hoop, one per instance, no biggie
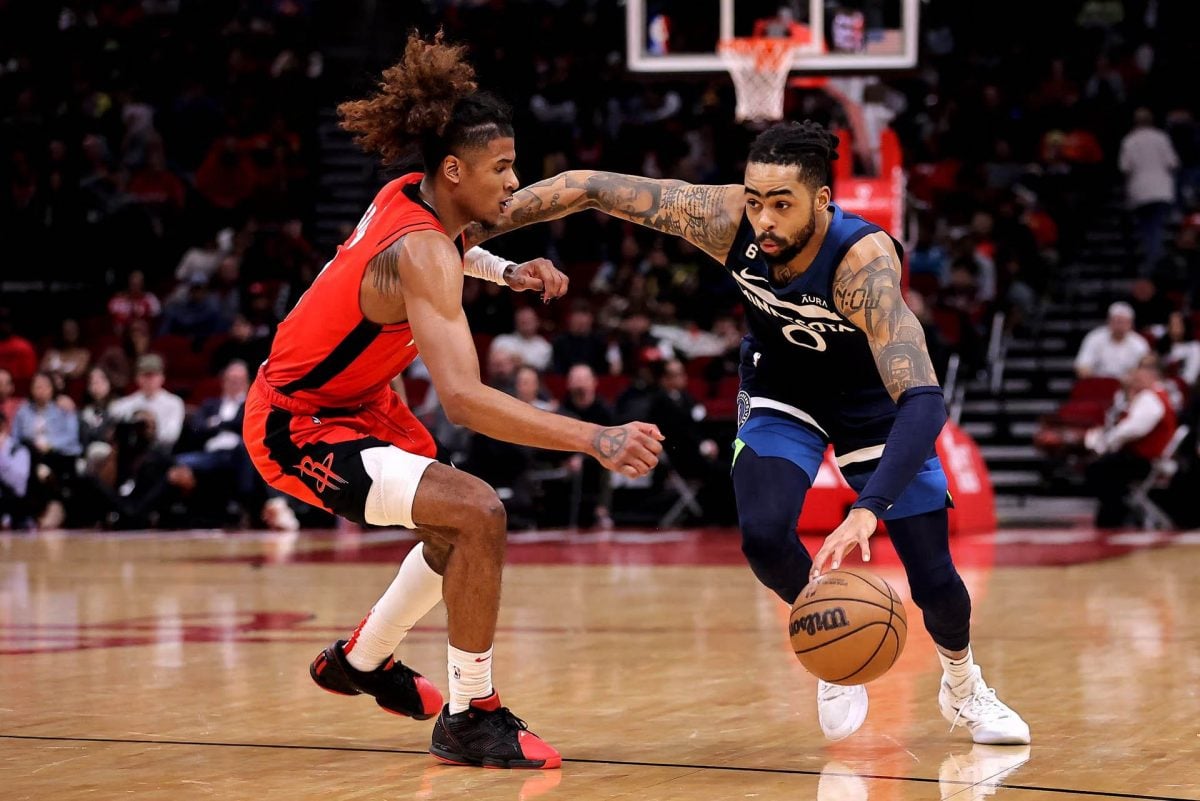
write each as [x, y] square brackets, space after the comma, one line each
[759, 67]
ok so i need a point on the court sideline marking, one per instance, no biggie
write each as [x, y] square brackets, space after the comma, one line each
[626, 763]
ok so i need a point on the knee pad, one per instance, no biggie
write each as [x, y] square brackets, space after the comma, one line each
[395, 475]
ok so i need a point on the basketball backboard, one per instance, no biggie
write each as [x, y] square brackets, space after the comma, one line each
[836, 35]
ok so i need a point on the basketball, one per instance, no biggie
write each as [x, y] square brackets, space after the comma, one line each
[848, 627]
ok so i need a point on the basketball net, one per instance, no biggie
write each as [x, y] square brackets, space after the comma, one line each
[759, 67]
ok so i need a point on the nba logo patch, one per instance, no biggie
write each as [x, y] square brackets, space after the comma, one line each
[743, 407]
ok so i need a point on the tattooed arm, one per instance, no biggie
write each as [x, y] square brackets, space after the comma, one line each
[420, 279]
[706, 216]
[866, 290]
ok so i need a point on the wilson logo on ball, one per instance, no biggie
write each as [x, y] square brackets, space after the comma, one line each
[821, 621]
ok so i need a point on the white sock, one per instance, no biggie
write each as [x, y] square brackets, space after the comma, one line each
[415, 590]
[470, 677]
[958, 671]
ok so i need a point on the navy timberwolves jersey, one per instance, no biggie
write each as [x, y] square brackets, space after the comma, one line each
[802, 359]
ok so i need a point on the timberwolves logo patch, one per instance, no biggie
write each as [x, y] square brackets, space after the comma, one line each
[743, 407]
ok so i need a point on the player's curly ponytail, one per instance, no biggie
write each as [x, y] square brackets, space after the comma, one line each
[427, 100]
[808, 145]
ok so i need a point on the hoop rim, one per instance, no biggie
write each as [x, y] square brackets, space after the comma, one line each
[756, 44]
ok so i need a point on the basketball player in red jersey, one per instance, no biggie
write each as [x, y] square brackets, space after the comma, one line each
[323, 425]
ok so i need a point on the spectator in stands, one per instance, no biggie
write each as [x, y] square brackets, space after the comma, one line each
[167, 409]
[502, 369]
[728, 361]
[154, 187]
[17, 354]
[1185, 138]
[939, 351]
[637, 345]
[137, 484]
[15, 466]
[689, 451]
[200, 261]
[67, 358]
[1111, 350]
[259, 307]
[1179, 349]
[961, 291]
[135, 303]
[196, 314]
[226, 177]
[118, 360]
[1145, 423]
[226, 290]
[929, 260]
[9, 400]
[582, 403]
[527, 386]
[219, 469]
[1149, 162]
[489, 307]
[242, 345]
[529, 346]
[1150, 307]
[214, 429]
[580, 343]
[96, 421]
[45, 426]
[52, 435]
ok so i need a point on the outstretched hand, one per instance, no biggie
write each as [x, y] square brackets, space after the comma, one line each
[855, 530]
[539, 275]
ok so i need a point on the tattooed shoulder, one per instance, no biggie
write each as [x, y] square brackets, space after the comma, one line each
[870, 297]
[384, 269]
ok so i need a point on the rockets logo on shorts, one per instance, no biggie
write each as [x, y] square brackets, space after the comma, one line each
[322, 472]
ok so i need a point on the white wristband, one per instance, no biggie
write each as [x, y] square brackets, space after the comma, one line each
[479, 263]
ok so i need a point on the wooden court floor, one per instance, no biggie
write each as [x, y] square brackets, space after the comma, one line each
[174, 666]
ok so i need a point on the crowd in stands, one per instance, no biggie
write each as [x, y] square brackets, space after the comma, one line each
[159, 156]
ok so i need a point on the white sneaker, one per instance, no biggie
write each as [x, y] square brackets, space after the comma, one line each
[841, 709]
[979, 772]
[840, 783]
[989, 719]
[278, 515]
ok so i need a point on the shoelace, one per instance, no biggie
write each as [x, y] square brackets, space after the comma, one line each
[402, 672]
[985, 702]
[504, 720]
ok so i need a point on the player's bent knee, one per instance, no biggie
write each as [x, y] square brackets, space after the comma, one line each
[760, 539]
[489, 515]
[478, 513]
[395, 475]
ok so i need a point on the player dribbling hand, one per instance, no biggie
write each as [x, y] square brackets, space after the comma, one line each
[856, 529]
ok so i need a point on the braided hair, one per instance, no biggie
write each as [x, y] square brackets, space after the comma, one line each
[427, 102]
[808, 145]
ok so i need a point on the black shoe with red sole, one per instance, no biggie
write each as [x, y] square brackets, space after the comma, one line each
[488, 735]
[397, 688]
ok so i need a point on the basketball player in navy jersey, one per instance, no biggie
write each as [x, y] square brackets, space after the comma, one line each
[833, 356]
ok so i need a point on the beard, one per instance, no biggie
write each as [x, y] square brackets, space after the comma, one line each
[788, 250]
